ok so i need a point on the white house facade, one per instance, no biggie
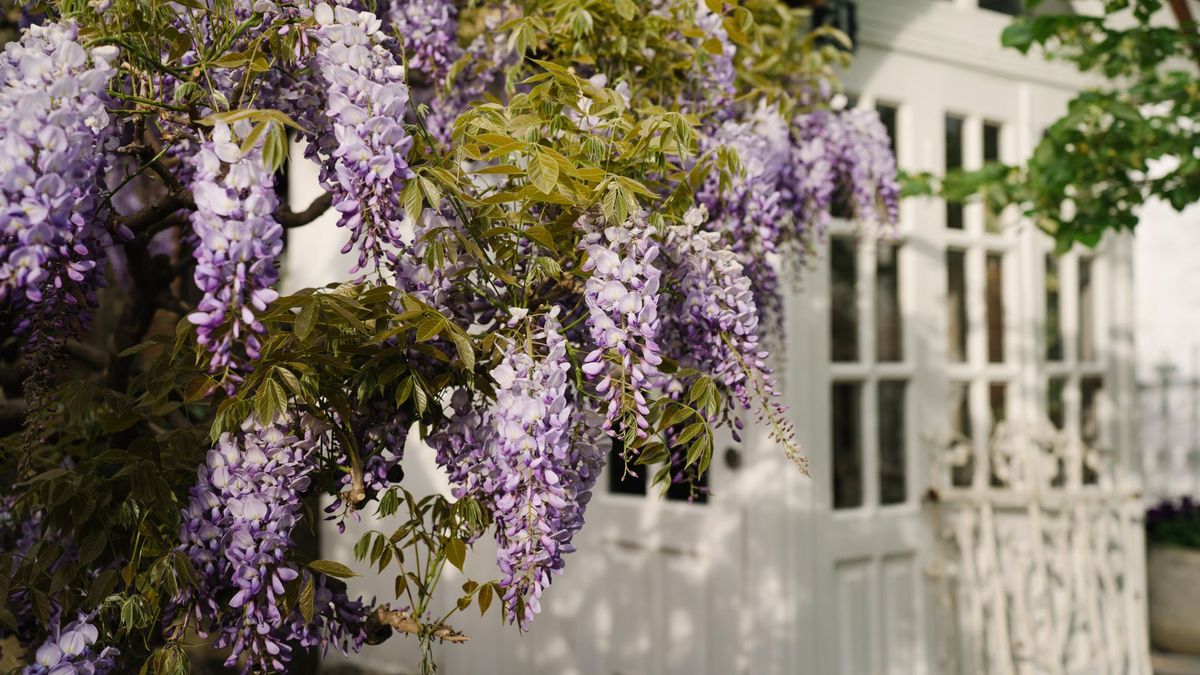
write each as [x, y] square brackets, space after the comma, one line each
[900, 349]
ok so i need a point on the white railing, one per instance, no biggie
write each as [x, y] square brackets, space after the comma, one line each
[1041, 558]
[1170, 434]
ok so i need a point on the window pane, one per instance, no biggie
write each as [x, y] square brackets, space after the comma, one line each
[998, 405]
[843, 301]
[960, 427]
[892, 471]
[954, 160]
[1090, 390]
[991, 153]
[619, 481]
[686, 485]
[1010, 7]
[998, 401]
[956, 303]
[1054, 338]
[995, 307]
[889, 324]
[847, 445]
[1056, 408]
[887, 115]
[991, 142]
[1087, 312]
[1057, 411]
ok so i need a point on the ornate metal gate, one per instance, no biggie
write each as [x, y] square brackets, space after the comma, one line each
[1042, 560]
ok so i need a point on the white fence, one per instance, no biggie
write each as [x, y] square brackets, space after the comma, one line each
[1041, 564]
[1170, 433]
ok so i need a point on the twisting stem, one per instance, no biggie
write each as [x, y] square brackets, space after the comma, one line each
[320, 205]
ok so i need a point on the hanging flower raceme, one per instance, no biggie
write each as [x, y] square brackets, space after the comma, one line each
[54, 121]
[428, 30]
[715, 81]
[527, 461]
[753, 211]
[365, 166]
[238, 241]
[73, 650]
[715, 325]
[622, 302]
[482, 62]
[237, 531]
[843, 154]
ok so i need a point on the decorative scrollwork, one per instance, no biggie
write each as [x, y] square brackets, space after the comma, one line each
[1040, 556]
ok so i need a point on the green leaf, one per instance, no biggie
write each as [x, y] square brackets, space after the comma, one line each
[430, 328]
[232, 60]
[306, 319]
[543, 172]
[713, 46]
[332, 568]
[413, 201]
[138, 348]
[49, 474]
[677, 415]
[466, 352]
[652, 454]
[456, 552]
[1018, 35]
[690, 431]
[307, 599]
[270, 400]
[92, 546]
[485, 598]
[542, 236]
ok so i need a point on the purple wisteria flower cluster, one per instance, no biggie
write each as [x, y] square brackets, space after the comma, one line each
[754, 211]
[622, 296]
[844, 152]
[715, 81]
[792, 176]
[366, 144]
[239, 239]
[716, 317]
[447, 76]
[73, 650]
[52, 152]
[428, 30]
[237, 531]
[526, 458]
[715, 323]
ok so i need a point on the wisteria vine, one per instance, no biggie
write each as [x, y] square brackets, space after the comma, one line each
[565, 229]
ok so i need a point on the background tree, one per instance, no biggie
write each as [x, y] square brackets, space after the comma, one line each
[1129, 136]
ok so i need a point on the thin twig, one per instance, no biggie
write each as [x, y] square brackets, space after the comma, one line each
[320, 205]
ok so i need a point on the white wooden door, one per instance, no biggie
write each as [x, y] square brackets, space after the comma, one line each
[655, 587]
[868, 533]
[669, 573]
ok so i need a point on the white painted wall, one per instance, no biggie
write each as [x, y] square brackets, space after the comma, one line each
[1167, 283]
